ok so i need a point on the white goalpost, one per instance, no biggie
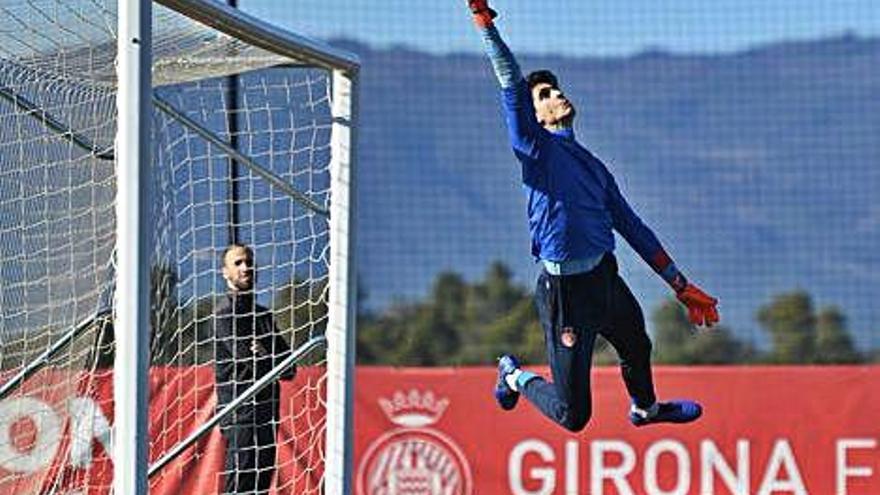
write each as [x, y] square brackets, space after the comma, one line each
[137, 141]
[131, 304]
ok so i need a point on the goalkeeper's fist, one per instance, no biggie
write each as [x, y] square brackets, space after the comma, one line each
[701, 306]
[483, 15]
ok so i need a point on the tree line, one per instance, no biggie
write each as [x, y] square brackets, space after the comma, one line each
[461, 323]
[458, 323]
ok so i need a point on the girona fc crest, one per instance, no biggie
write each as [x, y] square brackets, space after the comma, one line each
[414, 459]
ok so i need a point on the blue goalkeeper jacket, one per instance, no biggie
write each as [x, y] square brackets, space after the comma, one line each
[573, 200]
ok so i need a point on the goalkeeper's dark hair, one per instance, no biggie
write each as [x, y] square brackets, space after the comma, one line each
[541, 76]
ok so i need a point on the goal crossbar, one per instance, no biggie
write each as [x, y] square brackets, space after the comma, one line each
[258, 33]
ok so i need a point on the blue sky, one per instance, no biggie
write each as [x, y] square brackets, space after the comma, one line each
[578, 27]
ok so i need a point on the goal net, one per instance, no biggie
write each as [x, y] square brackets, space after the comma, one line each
[250, 144]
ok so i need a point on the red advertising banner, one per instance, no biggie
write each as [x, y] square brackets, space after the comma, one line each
[765, 431]
[55, 434]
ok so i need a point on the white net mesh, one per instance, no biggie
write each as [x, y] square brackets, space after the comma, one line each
[57, 192]
[290, 243]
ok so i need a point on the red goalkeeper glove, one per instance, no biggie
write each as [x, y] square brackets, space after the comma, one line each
[483, 15]
[701, 306]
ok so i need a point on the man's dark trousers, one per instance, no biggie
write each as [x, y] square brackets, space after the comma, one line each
[250, 458]
[573, 310]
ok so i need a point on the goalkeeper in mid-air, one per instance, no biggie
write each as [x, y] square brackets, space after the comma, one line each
[573, 205]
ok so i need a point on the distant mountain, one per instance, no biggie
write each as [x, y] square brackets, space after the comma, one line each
[758, 170]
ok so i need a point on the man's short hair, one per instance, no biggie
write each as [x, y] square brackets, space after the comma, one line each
[541, 76]
[230, 248]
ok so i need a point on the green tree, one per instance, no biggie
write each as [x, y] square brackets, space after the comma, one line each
[800, 335]
[502, 319]
[833, 343]
[495, 295]
[459, 323]
[791, 322]
[517, 330]
[299, 310]
[671, 331]
[181, 335]
[676, 343]
[380, 337]
[426, 333]
[434, 338]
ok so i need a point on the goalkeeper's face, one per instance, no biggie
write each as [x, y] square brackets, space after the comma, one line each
[552, 108]
[238, 269]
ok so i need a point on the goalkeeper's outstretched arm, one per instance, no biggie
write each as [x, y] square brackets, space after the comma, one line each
[524, 130]
[503, 62]
[701, 307]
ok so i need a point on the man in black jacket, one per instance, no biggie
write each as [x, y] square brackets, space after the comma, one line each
[247, 348]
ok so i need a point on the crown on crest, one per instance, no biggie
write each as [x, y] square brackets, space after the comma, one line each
[413, 409]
